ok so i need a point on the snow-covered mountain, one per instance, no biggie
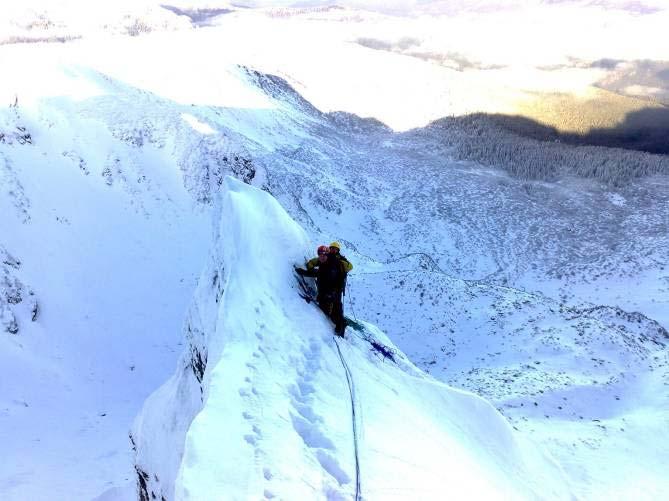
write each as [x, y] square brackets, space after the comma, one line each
[266, 403]
[530, 273]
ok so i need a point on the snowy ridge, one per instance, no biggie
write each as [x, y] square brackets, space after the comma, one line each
[275, 414]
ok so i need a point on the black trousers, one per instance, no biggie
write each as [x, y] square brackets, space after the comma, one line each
[332, 306]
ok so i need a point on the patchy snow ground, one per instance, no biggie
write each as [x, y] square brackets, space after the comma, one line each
[113, 150]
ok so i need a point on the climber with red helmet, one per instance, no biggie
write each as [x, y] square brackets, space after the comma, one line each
[330, 268]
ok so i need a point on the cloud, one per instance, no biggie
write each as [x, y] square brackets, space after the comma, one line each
[451, 7]
[640, 78]
[409, 46]
[606, 63]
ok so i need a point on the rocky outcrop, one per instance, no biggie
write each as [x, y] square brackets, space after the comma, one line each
[18, 301]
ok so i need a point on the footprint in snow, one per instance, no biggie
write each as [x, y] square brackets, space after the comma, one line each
[251, 439]
[269, 494]
[308, 413]
[301, 392]
[306, 389]
[311, 435]
[331, 465]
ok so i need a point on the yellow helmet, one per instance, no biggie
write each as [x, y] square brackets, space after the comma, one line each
[335, 245]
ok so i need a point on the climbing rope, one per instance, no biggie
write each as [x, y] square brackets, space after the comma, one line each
[351, 390]
[350, 303]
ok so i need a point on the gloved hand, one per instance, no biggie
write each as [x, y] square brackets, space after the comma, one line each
[300, 271]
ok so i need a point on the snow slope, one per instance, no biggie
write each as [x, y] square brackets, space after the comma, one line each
[588, 383]
[102, 248]
[275, 419]
[113, 139]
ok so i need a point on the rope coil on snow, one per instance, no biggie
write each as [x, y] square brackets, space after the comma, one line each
[351, 390]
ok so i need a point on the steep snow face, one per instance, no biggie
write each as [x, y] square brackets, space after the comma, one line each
[100, 248]
[289, 412]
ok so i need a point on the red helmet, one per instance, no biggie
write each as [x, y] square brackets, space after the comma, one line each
[323, 249]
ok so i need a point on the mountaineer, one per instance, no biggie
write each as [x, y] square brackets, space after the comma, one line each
[330, 269]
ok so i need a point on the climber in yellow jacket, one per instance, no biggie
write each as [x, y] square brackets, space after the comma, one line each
[330, 268]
